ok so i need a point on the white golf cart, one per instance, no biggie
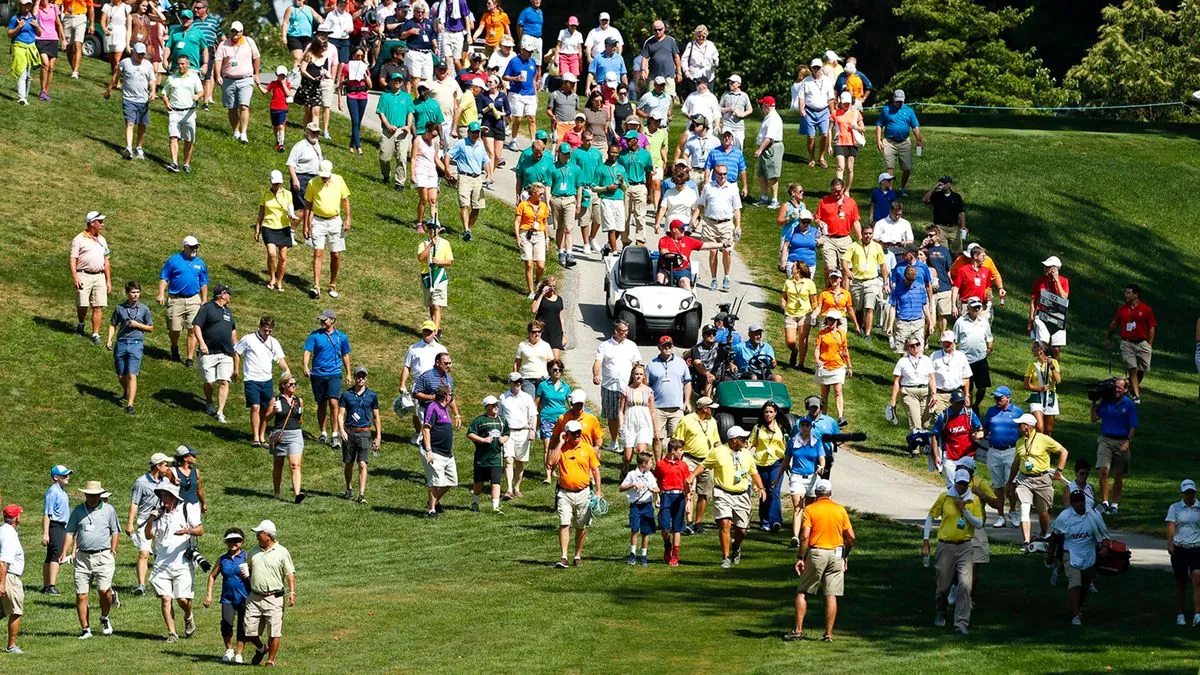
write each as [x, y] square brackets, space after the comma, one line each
[632, 293]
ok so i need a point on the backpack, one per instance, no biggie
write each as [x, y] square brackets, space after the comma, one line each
[1113, 558]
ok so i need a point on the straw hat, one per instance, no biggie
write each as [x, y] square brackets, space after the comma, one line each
[92, 487]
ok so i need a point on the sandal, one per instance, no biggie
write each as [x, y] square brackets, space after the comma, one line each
[823, 164]
[827, 638]
[333, 292]
[270, 285]
[811, 165]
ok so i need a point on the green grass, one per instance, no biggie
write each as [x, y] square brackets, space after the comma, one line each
[380, 588]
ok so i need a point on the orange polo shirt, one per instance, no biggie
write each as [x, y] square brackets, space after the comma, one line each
[827, 520]
[839, 299]
[593, 431]
[575, 466]
[831, 342]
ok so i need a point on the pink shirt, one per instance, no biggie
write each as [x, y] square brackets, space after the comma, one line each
[89, 253]
[46, 19]
[236, 61]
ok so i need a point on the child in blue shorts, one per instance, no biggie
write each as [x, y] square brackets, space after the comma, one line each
[640, 487]
[131, 320]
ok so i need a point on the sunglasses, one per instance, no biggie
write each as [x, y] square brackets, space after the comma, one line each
[536, 330]
[556, 370]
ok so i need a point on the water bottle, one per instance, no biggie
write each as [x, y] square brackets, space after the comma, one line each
[925, 560]
[921, 151]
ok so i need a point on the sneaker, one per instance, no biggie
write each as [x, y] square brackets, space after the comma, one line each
[1112, 509]
[1196, 620]
[793, 636]
[431, 515]
[205, 107]
[415, 440]
[335, 441]
[712, 285]
[475, 506]
[939, 621]
[325, 135]
[674, 561]
[1137, 399]
[726, 564]
[189, 363]
[127, 153]
[116, 603]
[952, 596]
[333, 293]
[698, 528]
[587, 250]
[106, 625]
[23, 101]
[532, 295]
[259, 655]
[237, 658]
[314, 293]
[725, 284]
[1000, 522]
[1092, 588]
[96, 341]
[511, 145]
[578, 562]
[228, 657]
[15, 649]
[347, 494]
[1077, 620]
[571, 261]
[187, 168]
[496, 510]
[75, 75]
[173, 167]
[299, 498]
[795, 542]
[688, 531]
[139, 153]
[561, 564]
[467, 236]
[737, 556]
[903, 192]
[843, 422]
[632, 559]
[221, 418]
[79, 328]
[562, 259]
[85, 634]
[362, 499]
[644, 561]
[774, 204]
[210, 410]
[962, 630]
[51, 590]
[279, 147]
[140, 589]
[189, 626]
[130, 411]
[1181, 620]
[827, 638]
[244, 138]
[1014, 520]
[323, 438]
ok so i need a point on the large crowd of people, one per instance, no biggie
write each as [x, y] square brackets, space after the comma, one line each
[447, 113]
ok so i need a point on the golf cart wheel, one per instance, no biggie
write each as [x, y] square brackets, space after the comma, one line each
[689, 329]
[92, 47]
[789, 423]
[725, 422]
[630, 318]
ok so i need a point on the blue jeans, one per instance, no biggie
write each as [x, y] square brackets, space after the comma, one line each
[769, 514]
[358, 108]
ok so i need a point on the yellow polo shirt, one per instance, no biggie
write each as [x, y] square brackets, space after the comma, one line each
[1036, 448]
[864, 262]
[768, 446]
[269, 568]
[731, 470]
[699, 436]
[277, 209]
[326, 196]
[947, 510]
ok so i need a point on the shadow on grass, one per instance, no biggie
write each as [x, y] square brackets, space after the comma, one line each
[401, 511]
[55, 324]
[227, 433]
[506, 285]
[106, 395]
[235, 491]
[117, 149]
[372, 317]
[175, 398]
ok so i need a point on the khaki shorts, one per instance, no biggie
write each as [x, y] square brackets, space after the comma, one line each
[1110, 456]
[903, 331]
[262, 611]
[704, 482]
[140, 542]
[328, 93]
[173, 581]
[866, 293]
[894, 151]
[562, 210]
[1135, 355]
[517, 447]
[794, 322]
[1077, 578]
[665, 421]
[216, 367]
[99, 566]
[470, 192]
[732, 506]
[438, 295]
[74, 27]
[181, 312]
[573, 508]
[533, 246]
[181, 124]
[942, 304]
[720, 231]
[327, 230]
[612, 215]
[441, 472]
[1036, 490]
[12, 603]
[94, 292]
[833, 249]
[824, 568]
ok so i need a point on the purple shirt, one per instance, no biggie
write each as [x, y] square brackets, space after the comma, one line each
[450, 23]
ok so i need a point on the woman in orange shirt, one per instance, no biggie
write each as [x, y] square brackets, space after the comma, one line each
[494, 25]
[529, 228]
[833, 362]
[847, 119]
[836, 297]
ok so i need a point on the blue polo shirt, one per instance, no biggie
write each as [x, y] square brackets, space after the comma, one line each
[327, 350]
[804, 456]
[233, 586]
[184, 277]
[422, 40]
[897, 124]
[516, 66]
[359, 407]
[824, 426]
[1000, 426]
[530, 20]
[742, 353]
[909, 301]
[1117, 419]
[56, 504]
[666, 378]
[723, 335]
[469, 157]
[603, 65]
[124, 313]
[883, 203]
[924, 276]
[733, 160]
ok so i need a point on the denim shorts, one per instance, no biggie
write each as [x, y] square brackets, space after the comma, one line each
[279, 117]
[136, 113]
[258, 393]
[127, 357]
[326, 388]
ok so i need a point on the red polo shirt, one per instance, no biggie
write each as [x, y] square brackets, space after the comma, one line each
[838, 214]
[1135, 322]
[671, 475]
[972, 283]
[683, 247]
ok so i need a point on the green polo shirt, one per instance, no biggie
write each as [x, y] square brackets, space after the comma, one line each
[587, 161]
[535, 170]
[637, 164]
[396, 107]
[565, 181]
[269, 569]
[190, 43]
[425, 112]
[608, 174]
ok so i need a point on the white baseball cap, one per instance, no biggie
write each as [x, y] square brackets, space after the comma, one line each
[281, 70]
[846, 97]
[737, 432]
[191, 241]
[1052, 261]
[325, 169]
[816, 63]
[577, 396]
[948, 336]
[967, 463]
[1026, 419]
[610, 78]
[268, 527]
[823, 486]
[490, 400]
[898, 95]
[831, 55]
[660, 80]
[734, 78]
[93, 215]
[962, 476]
[886, 176]
[604, 15]
[574, 426]
[834, 314]
[569, 77]
[806, 215]
[276, 177]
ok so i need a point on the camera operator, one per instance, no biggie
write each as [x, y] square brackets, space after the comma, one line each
[703, 358]
[1117, 414]
[173, 526]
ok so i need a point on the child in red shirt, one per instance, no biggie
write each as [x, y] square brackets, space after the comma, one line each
[279, 90]
[672, 474]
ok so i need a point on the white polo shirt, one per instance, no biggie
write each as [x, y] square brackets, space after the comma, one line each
[170, 548]
[772, 127]
[519, 410]
[913, 372]
[11, 551]
[616, 362]
[888, 231]
[973, 336]
[816, 92]
[721, 201]
[421, 357]
[950, 370]
[258, 356]
[305, 157]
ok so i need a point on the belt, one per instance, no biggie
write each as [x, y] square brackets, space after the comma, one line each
[270, 594]
[914, 386]
[631, 183]
[1115, 437]
[866, 279]
[672, 492]
[736, 494]
[822, 548]
[947, 391]
[422, 51]
[995, 449]
[360, 429]
[1135, 342]
[87, 272]
[60, 523]
[98, 550]
[1192, 547]
[181, 296]
[563, 489]
[1034, 475]
[472, 175]
[954, 543]
[519, 429]
[814, 108]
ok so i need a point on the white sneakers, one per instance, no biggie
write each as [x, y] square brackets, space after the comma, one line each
[1000, 522]
[1014, 520]
[228, 657]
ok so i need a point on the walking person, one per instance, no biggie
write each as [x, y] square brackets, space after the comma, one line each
[848, 121]
[960, 512]
[822, 559]
[798, 301]
[1082, 532]
[768, 443]
[130, 322]
[1136, 325]
[297, 24]
[1183, 544]
[236, 68]
[395, 110]
[611, 370]
[12, 566]
[635, 416]
[1118, 418]
[520, 412]
[139, 86]
[270, 568]
[551, 402]
[173, 527]
[233, 568]
[802, 467]
[577, 463]
[56, 509]
[471, 161]
[441, 471]
[52, 38]
[286, 440]
[361, 431]
[355, 82]
[895, 124]
[670, 378]
[673, 477]
[1001, 430]
[303, 163]
[436, 254]
[490, 433]
[325, 202]
[93, 533]
[183, 289]
[273, 227]
[1030, 479]
[180, 94]
[530, 231]
[734, 474]
[255, 355]
[425, 158]
[24, 32]
[833, 362]
[215, 331]
[327, 364]
[914, 384]
[142, 502]
[548, 308]
[91, 273]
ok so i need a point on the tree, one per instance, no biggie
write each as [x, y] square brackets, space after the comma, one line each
[1145, 54]
[957, 54]
[762, 41]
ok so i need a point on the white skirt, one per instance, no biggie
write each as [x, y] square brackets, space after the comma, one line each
[835, 376]
[638, 427]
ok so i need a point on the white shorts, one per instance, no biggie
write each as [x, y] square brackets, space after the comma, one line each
[1042, 334]
[1038, 407]
[141, 543]
[172, 581]
[999, 463]
[451, 44]
[181, 124]
[533, 247]
[327, 230]
[798, 485]
[420, 64]
[612, 215]
[216, 367]
[517, 447]
[830, 377]
[441, 472]
[523, 105]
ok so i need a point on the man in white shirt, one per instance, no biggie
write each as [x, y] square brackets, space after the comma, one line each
[695, 146]
[913, 382]
[894, 233]
[815, 105]
[769, 153]
[951, 372]
[722, 208]
[419, 358]
[614, 362]
[594, 42]
[303, 163]
[703, 102]
[172, 527]
[1082, 530]
[499, 59]
[255, 354]
[521, 414]
[973, 331]
[12, 566]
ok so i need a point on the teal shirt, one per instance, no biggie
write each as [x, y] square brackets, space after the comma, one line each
[209, 28]
[637, 164]
[608, 174]
[535, 171]
[192, 45]
[425, 112]
[587, 161]
[566, 180]
[396, 107]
